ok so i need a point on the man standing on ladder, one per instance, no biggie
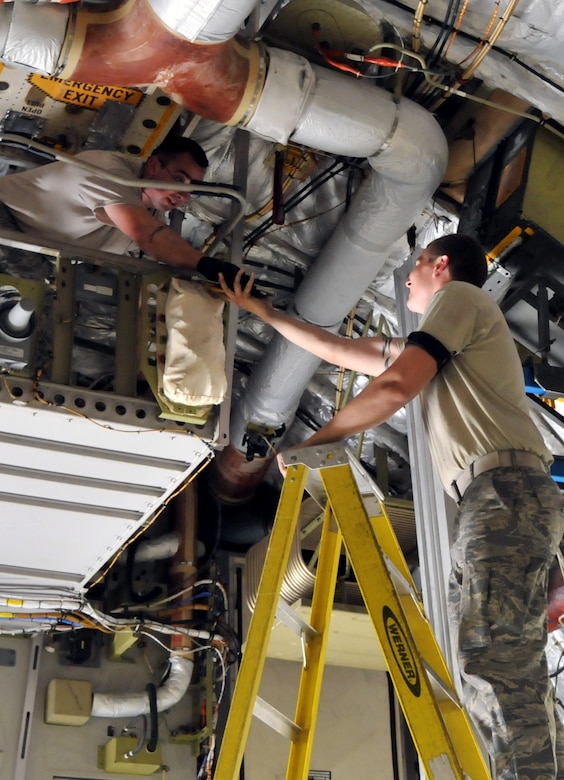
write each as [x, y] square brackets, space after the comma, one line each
[492, 460]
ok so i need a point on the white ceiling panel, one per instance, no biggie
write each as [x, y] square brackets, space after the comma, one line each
[74, 491]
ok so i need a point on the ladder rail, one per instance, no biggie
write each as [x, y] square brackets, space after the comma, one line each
[248, 678]
[309, 690]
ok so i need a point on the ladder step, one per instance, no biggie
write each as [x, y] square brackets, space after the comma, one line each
[441, 690]
[403, 586]
[294, 621]
[276, 719]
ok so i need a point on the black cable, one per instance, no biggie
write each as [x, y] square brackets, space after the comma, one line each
[309, 189]
[435, 53]
[350, 188]
[345, 164]
[474, 39]
[154, 718]
[445, 33]
[336, 167]
[307, 419]
[559, 667]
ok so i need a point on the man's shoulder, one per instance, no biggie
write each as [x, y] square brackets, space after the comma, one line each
[109, 160]
[102, 154]
[464, 291]
[463, 288]
[461, 301]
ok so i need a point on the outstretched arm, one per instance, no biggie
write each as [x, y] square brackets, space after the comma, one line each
[164, 244]
[368, 355]
[379, 400]
[385, 395]
[152, 236]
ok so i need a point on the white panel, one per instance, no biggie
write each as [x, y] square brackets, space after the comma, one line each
[55, 540]
[58, 427]
[74, 491]
[77, 491]
[18, 453]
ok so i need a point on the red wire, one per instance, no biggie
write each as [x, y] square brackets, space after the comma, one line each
[329, 54]
[325, 54]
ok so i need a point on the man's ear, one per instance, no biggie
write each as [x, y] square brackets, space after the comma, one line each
[151, 167]
[441, 265]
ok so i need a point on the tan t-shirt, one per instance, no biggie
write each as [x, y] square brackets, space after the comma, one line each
[62, 202]
[477, 403]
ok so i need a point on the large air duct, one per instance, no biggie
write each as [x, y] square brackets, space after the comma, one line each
[133, 45]
[407, 160]
[192, 53]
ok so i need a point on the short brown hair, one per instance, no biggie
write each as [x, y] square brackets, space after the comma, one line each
[178, 144]
[467, 261]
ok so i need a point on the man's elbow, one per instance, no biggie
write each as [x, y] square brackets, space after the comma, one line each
[149, 239]
[397, 392]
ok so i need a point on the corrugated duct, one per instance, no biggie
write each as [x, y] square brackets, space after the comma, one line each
[191, 52]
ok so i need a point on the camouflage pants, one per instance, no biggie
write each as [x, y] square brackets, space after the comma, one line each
[507, 530]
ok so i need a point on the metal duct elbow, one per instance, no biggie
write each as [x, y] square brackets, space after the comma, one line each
[129, 705]
[218, 76]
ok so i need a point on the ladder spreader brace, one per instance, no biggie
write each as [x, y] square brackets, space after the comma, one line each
[438, 723]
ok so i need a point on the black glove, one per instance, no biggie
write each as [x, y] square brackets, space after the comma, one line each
[210, 267]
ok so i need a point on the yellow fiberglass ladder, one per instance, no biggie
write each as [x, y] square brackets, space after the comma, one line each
[438, 723]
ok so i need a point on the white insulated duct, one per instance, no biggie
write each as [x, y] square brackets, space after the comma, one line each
[210, 21]
[32, 36]
[408, 153]
[158, 549]
[129, 705]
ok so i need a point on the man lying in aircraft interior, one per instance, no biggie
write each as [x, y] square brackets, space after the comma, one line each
[65, 202]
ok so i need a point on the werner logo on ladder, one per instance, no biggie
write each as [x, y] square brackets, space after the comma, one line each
[438, 723]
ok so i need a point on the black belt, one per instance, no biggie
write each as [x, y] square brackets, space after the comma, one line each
[494, 460]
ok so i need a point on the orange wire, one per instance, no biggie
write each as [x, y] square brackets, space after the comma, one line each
[485, 35]
[457, 25]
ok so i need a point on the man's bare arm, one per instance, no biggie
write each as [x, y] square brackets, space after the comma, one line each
[385, 395]
[152, 236]
[368, 355]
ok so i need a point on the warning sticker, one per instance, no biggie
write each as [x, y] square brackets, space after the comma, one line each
[78, 93]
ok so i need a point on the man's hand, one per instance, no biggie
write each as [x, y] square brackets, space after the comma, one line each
[241, 293]
[282, 468]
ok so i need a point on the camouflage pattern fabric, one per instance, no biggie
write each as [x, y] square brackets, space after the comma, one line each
[507, 530]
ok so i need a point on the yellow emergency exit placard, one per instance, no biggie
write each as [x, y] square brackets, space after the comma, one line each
[78, 93]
